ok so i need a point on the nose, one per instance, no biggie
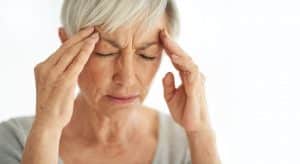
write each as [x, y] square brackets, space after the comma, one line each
[124, 74]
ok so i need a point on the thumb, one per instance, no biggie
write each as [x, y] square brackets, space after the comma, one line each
[169, 86]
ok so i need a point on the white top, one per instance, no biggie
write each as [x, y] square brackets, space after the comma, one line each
[172, 145]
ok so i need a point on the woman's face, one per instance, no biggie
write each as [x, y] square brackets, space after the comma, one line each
[123, 64]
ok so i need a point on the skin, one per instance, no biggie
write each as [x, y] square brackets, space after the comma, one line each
[117, 129]
[93, 129]
[187, 103]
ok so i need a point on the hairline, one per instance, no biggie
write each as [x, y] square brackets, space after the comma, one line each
[74, 19]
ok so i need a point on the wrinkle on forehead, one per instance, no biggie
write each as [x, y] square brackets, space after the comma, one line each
[134, 35]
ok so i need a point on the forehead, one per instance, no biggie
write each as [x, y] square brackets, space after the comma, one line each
[135, 34]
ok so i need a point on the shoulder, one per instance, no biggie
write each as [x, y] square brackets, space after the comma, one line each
[173, 143]
[13, 134]
[18, 126]
[167, 128]
[172, 131]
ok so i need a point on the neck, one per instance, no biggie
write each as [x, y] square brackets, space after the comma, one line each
[98, 126]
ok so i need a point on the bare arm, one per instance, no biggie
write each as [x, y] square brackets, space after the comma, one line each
[42, 145]
[187, 103]
[56, 79]
[203, 147]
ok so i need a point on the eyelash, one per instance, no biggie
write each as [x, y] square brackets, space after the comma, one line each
[142, 55]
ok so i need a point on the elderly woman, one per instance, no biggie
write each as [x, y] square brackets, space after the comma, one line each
[113, 50]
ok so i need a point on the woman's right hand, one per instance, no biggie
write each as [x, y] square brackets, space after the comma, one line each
[57, 76]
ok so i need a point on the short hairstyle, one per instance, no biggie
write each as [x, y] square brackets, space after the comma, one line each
[112, 14]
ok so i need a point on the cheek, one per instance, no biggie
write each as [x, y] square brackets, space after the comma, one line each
[99, 73]
[146, 73]
[147, 70]
[94, 75]
[99, 70]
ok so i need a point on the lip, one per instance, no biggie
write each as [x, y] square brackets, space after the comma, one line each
[122, 99]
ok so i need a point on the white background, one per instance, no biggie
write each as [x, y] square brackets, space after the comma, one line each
[248, 50]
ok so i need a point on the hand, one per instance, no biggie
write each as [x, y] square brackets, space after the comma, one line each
[186, 103]
[57, 76]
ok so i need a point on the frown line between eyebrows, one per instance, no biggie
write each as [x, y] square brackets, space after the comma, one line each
[117, 45]
[143, 47]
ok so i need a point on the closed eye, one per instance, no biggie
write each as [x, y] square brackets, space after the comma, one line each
[142, 55]
[104, 55]
[147, 57]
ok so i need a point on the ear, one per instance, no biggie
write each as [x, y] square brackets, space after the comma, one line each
[62, 34]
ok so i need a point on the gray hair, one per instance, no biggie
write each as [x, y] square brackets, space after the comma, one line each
[112, 14]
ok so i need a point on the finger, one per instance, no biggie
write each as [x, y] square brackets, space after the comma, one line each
[67, 58]
[188, 71]
[78, 37]
[63, 92]
[81, 59]
[184, 64]
[174, 51]
[170, 45]
[169, 86]
[53, 59]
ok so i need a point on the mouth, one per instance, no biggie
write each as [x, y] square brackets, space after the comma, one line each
[122, 99]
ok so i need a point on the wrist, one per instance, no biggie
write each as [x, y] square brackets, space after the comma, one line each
[203, 132]
[47, 126]
[42, 143]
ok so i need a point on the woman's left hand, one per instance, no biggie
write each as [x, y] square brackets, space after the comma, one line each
[187, 103]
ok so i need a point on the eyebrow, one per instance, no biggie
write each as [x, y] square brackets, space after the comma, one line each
[116, 45]
[146, 45]
[113, 43]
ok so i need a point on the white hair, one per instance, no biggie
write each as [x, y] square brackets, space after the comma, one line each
[112, 14]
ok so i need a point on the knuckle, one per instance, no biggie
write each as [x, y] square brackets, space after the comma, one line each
[57, 84]
[73, 73]
[84, 50]
[39, 65]
[52, 75]
[39, 69]
[63, 82]
[68, 50]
